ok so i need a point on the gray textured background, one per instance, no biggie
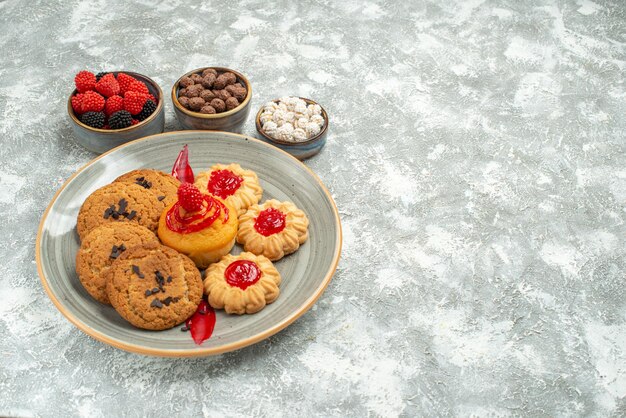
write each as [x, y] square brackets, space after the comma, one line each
[476, 153]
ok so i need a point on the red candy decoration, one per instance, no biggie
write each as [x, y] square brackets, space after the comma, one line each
[139, 87]
[92, 102]
[224, 183]
[270, 221]
[242, 274]
[108, 86]
[77, 103]
[85, 81]
[124, 80]
[133, 102]
[113, 104]
[202, 323]
[190, 197]
[182, 170]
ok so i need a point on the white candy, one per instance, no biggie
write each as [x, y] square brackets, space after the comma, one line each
[266, 117]
[291, 119]
[269, 126]
[314, 109]
[312, 129]
[299, 134]
[279, 116]
[301, 122]
[282, 135]
[287, 127]
[300, 107]
[319, 119]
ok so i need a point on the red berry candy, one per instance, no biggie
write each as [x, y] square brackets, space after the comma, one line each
[134, 122]
[108, 86]
[77, 103]
[124, 80]
[85, 81]
[133, 102]
[139, 87]
[92, 102]
[151, 97]
[113, 104]
[190, 197]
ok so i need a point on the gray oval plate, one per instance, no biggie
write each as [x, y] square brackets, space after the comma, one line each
[306, 273]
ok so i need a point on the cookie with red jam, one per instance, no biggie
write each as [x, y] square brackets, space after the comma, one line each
[242, 284]
[273, 229]
[237, 186]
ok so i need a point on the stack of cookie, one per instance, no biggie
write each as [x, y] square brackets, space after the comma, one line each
[121, 261]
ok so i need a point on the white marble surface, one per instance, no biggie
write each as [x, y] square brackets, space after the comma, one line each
[476, 153]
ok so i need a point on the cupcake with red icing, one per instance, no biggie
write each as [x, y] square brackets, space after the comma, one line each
[201, 226]
[234, 184]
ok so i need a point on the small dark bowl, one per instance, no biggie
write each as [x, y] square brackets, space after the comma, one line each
[102, 140]
[300, 150]
[231, 120]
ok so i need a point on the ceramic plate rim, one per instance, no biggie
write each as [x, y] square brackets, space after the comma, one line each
[196, 352]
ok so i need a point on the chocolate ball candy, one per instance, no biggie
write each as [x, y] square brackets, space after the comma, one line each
[218, 105]
[238, 85]
[184, 101]
[208, 80]
[207, 95]
[220, 82]
[240, 93]
[208, 109]
[231, 103]
[196, 103]
[209, 71]
[186, 82]
[182, 92]
[197, 78]
[221, 94]
[194, 90]
[231, 78]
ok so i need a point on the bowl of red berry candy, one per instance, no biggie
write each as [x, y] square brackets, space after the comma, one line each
[109, 109]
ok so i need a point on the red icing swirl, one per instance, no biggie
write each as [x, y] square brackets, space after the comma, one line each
[195, 221]
[270, 221]
[242, 273]
[224, 183]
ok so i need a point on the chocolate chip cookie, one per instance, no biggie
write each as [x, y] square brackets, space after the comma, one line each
[101, 247]
[119, 202]
[154, 287]
[164, 185]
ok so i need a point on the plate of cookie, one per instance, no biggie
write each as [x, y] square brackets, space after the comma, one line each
[188, 244]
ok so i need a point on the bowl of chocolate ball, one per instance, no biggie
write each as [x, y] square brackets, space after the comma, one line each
[213, 98]
[294, 124]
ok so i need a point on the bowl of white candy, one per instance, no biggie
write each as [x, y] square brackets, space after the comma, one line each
[293, 124]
